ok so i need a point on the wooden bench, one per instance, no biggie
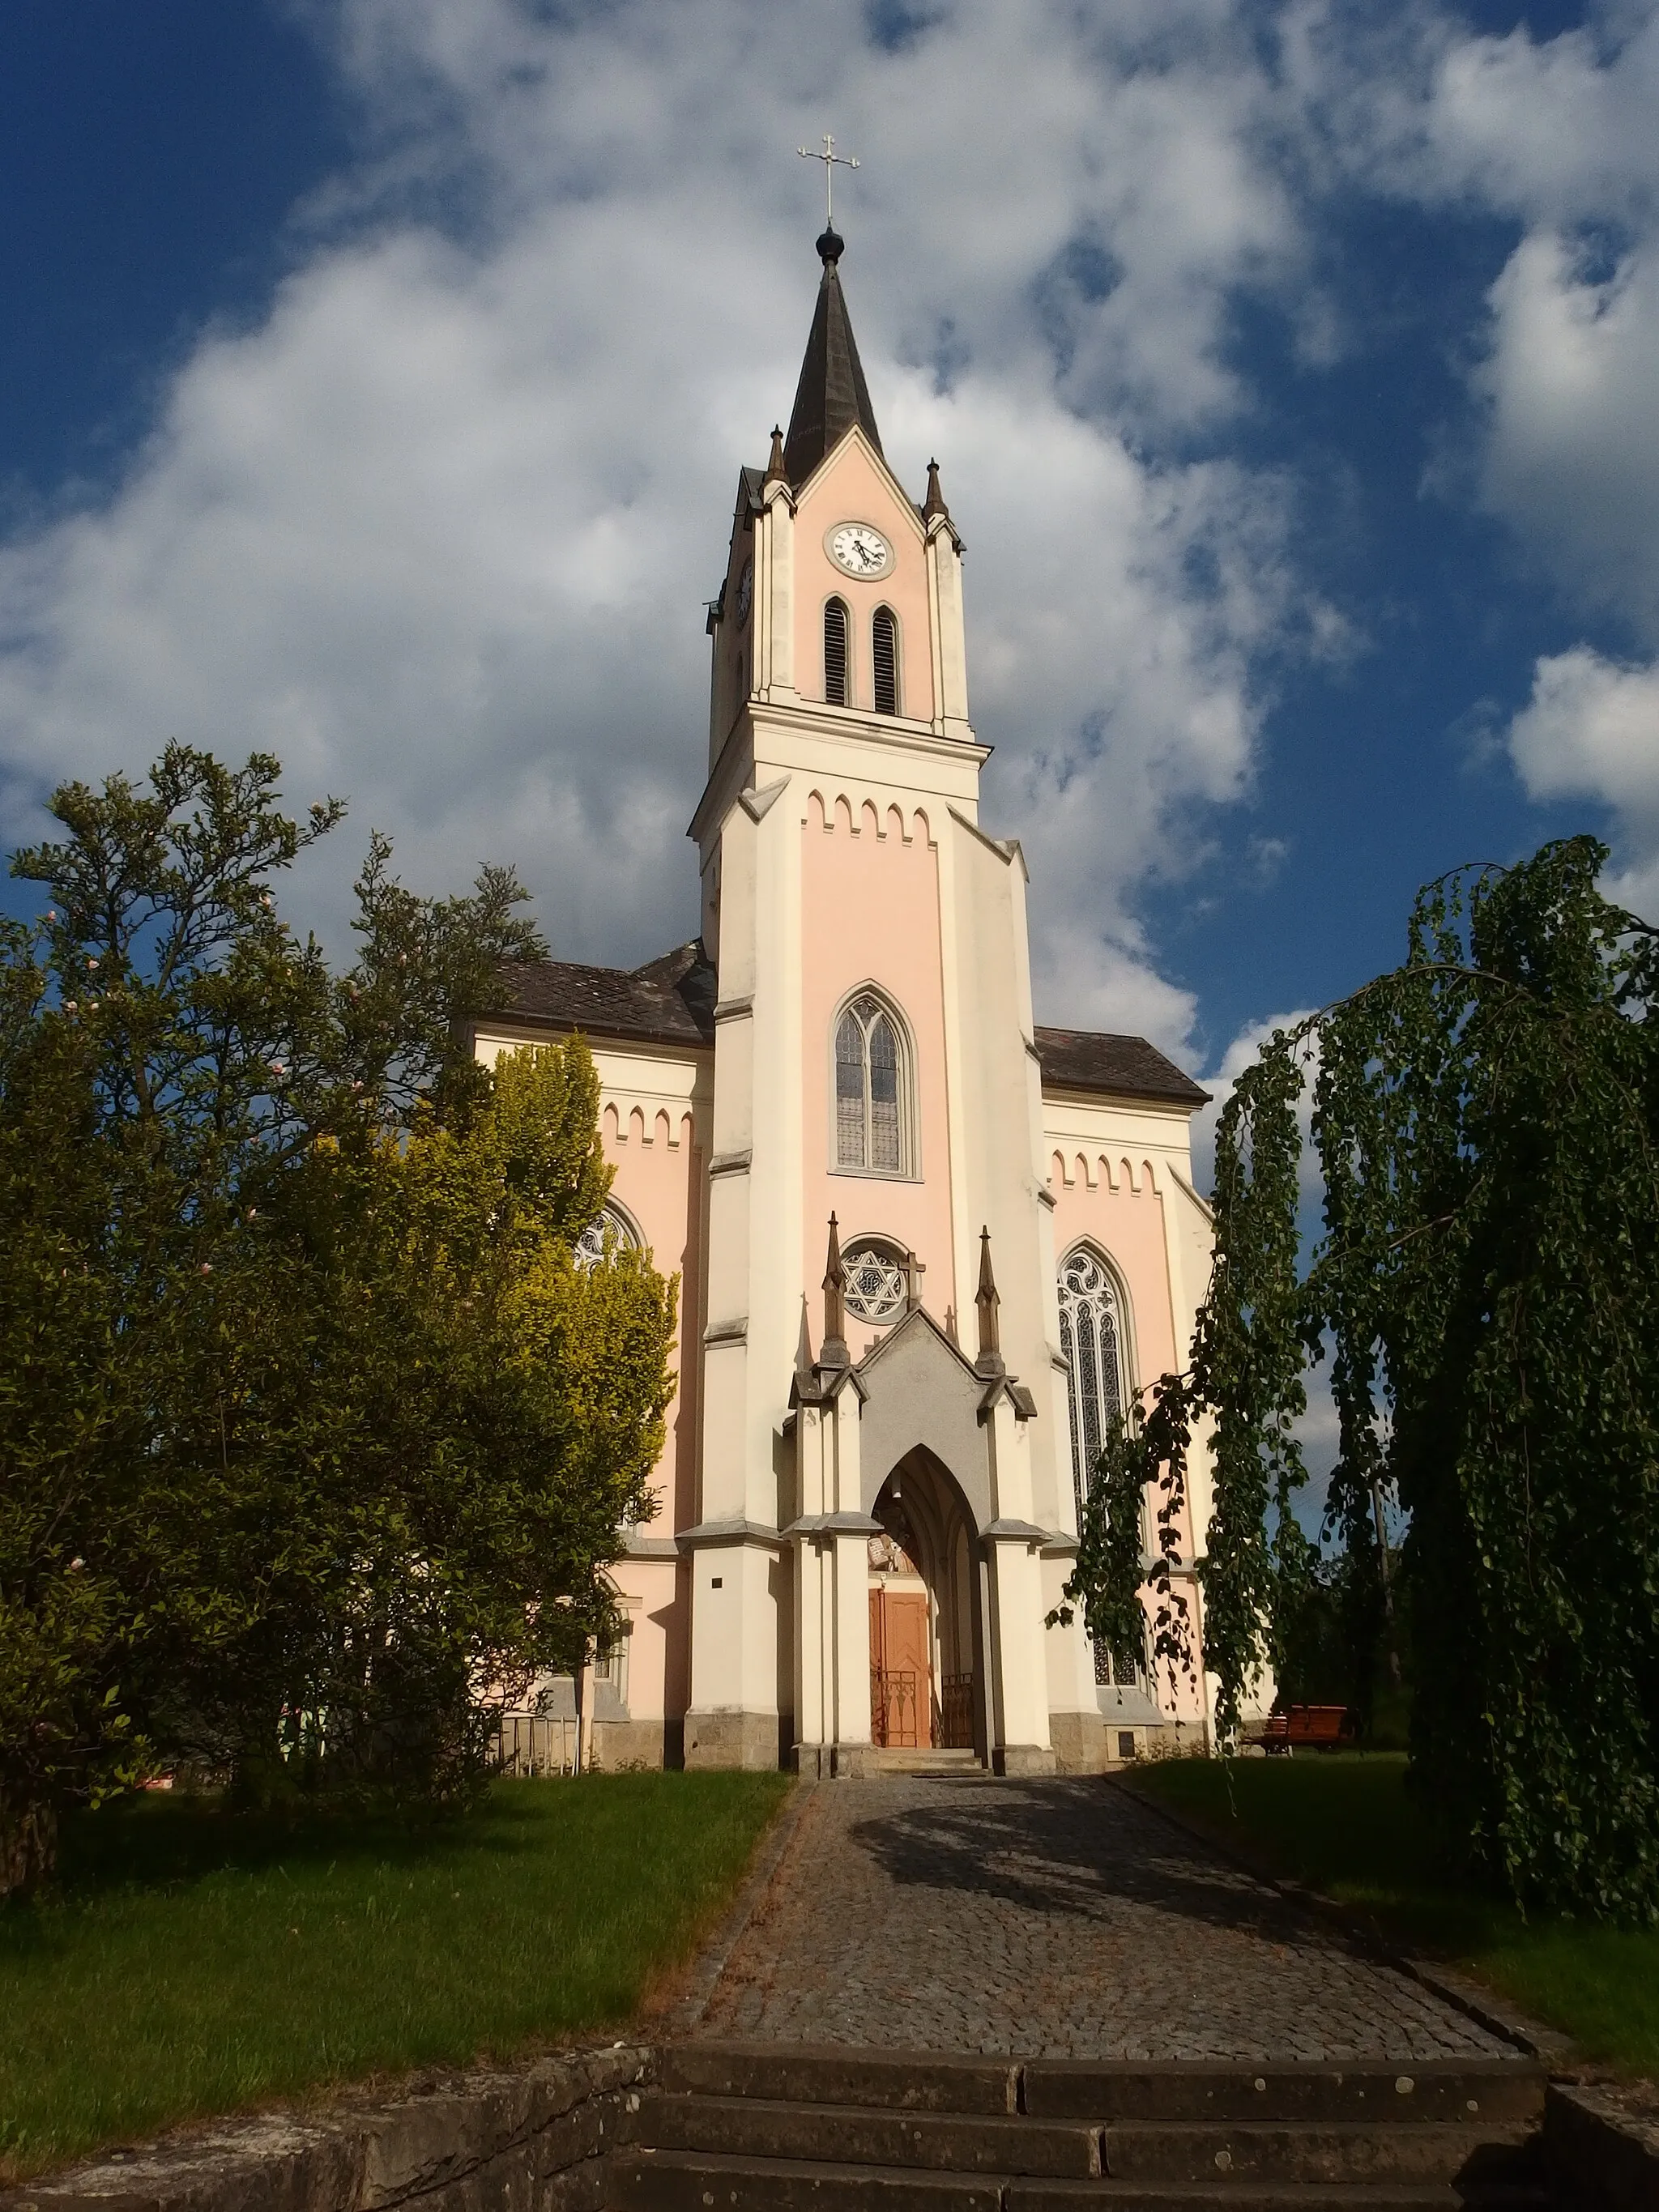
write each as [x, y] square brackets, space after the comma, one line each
[1314, 1728]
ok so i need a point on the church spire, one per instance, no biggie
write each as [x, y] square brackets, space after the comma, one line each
[832, 394]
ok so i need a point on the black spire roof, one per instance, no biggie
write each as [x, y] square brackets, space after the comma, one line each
[832, 394]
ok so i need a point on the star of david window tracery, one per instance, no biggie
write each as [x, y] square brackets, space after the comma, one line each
[609, 1232]
[875, 1284]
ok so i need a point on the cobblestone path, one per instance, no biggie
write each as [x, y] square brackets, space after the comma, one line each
[1050, 1919]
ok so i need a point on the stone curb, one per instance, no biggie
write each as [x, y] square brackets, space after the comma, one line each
[691, 2002]
[1591, 2142]
[479, 2141]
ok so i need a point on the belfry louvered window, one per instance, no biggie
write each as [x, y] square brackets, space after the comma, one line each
[883, 661]
[871, 1108]
[834, 652]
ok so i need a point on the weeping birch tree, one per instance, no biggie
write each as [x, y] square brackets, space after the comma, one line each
[1483, 1123]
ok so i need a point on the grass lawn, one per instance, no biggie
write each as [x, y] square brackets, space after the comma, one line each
[1345, 1825]
[190, 1962]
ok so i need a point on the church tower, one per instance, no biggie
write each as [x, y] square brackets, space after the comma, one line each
[926, 1247]
[873, 1059]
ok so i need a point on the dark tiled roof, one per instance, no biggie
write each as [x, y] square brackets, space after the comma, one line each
[832, 394]
[1126, 1066]
[668, 1001]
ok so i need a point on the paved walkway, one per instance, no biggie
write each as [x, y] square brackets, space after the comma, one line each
[1050, 1919]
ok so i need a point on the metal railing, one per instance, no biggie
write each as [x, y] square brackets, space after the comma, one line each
[893, 1712]
[536, 1743]
[953, 1714]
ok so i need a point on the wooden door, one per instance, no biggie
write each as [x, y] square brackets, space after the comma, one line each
[900, 1672]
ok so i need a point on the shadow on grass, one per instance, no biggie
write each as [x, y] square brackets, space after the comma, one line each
[162, 1841]
[193, 1959]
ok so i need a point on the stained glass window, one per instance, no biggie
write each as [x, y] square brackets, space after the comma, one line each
[1091, 1338]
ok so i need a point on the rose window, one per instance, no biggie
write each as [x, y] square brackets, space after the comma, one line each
[875, 1284]
[607, 1234]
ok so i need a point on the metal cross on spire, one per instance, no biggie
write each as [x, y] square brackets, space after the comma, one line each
[831, 161]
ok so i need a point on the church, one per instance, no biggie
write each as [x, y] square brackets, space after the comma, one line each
[926, 1247]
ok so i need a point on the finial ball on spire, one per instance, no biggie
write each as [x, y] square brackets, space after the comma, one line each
[831, 246]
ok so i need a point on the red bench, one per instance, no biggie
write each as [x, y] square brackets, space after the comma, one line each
[1316, 1727]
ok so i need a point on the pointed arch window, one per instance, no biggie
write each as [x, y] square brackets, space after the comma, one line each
[835, 651]
[1091, 1336]
[883, 661]
[873, 1118]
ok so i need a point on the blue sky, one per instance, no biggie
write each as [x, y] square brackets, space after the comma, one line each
[376, 373]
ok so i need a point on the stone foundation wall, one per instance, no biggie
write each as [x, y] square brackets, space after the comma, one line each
[619, 1744]
[495, 2140]
[733, 1739]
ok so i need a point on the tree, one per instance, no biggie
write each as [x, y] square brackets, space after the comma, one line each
[1484, 1122]
[311, 1429]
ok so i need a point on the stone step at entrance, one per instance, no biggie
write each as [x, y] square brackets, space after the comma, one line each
[896, 1759]
[737, 2128]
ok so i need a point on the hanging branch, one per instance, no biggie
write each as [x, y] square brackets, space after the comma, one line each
[1488, 1287]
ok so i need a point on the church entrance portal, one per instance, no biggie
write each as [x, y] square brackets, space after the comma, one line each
[922, 1613]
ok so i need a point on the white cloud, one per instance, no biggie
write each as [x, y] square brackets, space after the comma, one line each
[437, 528]
[1591, 730]
[1572, 378]
[1558, 136]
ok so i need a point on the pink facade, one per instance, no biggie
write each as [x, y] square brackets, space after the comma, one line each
[660, 1183]
[860, 486]
[869, 916]
[1123, 1215]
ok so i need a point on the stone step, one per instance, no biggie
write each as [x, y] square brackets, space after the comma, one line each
[694, 2181]
[1312, 2151]
[949, 2142]
[1266, 2197]
[894, 1759]
[1179, 2150]
[807, 2074]
[1472, 2090]
[1475, 2091]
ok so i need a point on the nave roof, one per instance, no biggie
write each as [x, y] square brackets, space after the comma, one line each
[670, 1001]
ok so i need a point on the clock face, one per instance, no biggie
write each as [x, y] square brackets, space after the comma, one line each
[859, 549]
[745, 590]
